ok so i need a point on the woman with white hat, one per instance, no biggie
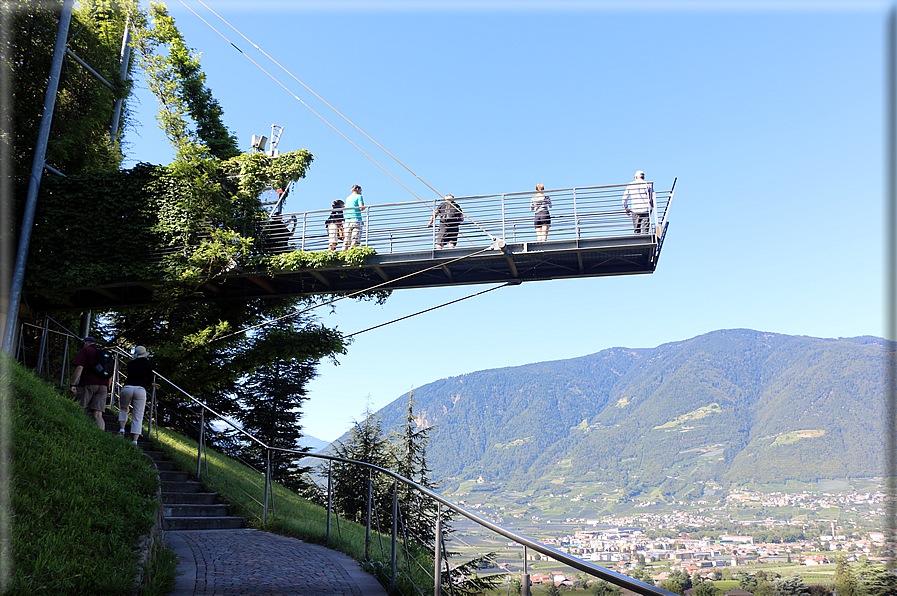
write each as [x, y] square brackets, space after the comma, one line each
[139, 380]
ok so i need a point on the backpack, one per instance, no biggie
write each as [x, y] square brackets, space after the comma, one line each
[104, 364]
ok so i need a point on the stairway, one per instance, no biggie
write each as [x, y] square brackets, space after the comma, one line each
[184, 507]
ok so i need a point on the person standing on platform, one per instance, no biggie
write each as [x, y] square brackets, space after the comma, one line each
[542, 217]
[638, 201]
[133, 393]
[450, 217]
[352, 215]
[334, 224]
[87, 384]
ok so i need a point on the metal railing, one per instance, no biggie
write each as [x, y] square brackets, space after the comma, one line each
[580, 213]
[398, 535]
[613, 577]
[576, 213]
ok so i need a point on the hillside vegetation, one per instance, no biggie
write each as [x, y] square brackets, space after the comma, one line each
[81, 498]
[733, 406]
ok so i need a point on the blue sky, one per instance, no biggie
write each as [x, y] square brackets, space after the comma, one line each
[769, 114]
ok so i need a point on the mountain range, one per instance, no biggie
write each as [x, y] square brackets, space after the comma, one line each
[736, 407]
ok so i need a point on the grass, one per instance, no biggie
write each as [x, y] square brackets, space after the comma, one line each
[289, 514]
[81, 498]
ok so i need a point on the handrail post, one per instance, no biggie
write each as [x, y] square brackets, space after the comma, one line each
[524, 579]
[149, 419]
[395, 535]
[503, 233]
[304, 228]
[367, 226]
[367, 530]
[575, 216]
[202, 429]
[437, 559]
[43, 346]
[65, 361]
[267, 483]
[329, 495]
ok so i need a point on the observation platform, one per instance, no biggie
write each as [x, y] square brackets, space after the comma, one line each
[590, 236]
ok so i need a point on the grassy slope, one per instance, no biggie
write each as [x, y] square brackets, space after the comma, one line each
[81, 498]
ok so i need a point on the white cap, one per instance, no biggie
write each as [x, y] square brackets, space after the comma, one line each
[640, 174]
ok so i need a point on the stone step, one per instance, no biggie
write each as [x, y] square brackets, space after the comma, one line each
[201, 523]
[181, 487]
[194, 510]
[169, 498]
[173, 476]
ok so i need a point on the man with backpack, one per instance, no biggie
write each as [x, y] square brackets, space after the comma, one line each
[91, 383]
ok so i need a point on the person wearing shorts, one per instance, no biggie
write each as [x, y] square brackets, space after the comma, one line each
[542, 218]
[352, 215]
[450, 217]
[334, 224]
[90, 387]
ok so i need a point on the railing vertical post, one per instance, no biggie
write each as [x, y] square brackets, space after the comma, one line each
[329, 495]
[267, 483]
[304, 228]
[149, 419]
[437, 558]
[202, 430]
[575, 216]
[367, 226]
[524, 579]
[65, 360]
[367, 530]
[503, 233]
[395, 535]
[115, 381]
[43, 346]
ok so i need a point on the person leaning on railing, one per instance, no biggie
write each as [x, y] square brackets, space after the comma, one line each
[133, 393]
[352, 215]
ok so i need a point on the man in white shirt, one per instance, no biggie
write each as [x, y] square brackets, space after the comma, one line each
[638, 201]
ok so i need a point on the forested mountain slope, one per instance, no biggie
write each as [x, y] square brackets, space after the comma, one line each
[735, 406]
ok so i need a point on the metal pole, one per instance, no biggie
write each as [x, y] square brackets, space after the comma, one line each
[267, 483]
[123, 69]
[65, 361]
[202, 430]
[37, 170]
[367, 530]
[524, 579]
[575, 216]
[395, 535]
[43, 346]
[149, 419]
[329, 495]
[437, 559]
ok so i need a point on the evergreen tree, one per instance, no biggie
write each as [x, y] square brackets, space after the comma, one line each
[366, 443]
[844, 582]
[790, 586]
[272, 394]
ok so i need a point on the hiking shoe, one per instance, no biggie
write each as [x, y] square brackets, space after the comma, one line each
[134, 443]
[121, 432]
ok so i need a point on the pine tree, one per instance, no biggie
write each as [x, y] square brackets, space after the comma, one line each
[285, 355]
[367, 442]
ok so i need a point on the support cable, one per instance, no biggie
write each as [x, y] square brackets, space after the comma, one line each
[276, 80]
[429, 309]
[287, 89]
[283, 68]
[380, 285]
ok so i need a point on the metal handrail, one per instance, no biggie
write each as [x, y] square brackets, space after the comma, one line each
[560, 556]
[576, 213]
